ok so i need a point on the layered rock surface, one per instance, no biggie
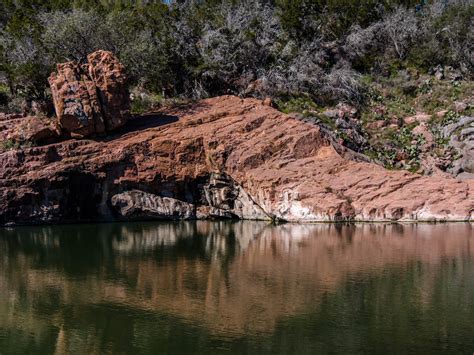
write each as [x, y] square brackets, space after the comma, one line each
[222, 157]
[30, 130]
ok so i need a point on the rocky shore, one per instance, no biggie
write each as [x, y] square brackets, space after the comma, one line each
[224, 157]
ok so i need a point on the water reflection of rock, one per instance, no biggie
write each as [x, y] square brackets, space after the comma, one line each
[233, 278]
[218, 236]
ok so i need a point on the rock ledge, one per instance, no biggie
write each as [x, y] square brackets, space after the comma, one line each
[224, 157]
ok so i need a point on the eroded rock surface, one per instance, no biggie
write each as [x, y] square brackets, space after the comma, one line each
[92, 98]
[461, 138]
[137, 203]
[108, 75]
[223, 157]
[30, 129]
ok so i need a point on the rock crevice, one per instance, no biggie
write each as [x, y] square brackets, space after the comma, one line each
[219, 197]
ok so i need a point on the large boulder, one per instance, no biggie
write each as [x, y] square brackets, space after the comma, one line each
[76, 101]
[92, 98]
[108, 75]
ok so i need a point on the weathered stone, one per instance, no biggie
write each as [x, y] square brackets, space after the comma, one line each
[75, 101]
[376, 125]
[461, 138]
[224, 194]
[346, 111]
[418, 118]
[108, 75]
[423, 130]
[460, 106]
[267, 102]
[438, 72]
[465, 176]
[31, 129]
[222, 198]
[91, 98]
[138, 204]
[441, 114]
[331, 113]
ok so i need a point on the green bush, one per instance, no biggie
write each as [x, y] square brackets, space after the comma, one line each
[145, 103]
[296, 105]
[9, 144]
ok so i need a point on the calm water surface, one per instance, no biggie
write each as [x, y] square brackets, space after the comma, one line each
[243, 287]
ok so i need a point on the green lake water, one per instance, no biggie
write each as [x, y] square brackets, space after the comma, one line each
[237, 287]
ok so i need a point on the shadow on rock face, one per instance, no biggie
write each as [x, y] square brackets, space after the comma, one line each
[145, 121]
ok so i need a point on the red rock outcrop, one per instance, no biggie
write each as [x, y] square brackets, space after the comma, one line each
[110, 80]
[31, 129]
[91, 98]
[223, 157]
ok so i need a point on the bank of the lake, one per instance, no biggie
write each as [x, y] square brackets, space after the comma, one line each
[223, 157]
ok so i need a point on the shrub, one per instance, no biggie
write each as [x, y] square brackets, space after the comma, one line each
[196, 49]
[72, 35]
[345, 84]
[145, 102]
[296, 104]
[400, 28]
[9, 144]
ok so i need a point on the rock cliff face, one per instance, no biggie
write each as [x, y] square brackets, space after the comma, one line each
[223, 157]
[90, 98]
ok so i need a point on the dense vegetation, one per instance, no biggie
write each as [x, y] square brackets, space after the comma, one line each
[283, 48]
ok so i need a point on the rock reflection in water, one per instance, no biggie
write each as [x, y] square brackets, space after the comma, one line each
[231, 280]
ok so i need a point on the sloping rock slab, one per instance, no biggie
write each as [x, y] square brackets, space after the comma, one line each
[227, 157]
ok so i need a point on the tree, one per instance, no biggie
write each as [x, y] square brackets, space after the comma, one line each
[401, 28]
[72, 35]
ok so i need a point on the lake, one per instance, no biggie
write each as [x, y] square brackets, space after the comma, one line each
[237, 287]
